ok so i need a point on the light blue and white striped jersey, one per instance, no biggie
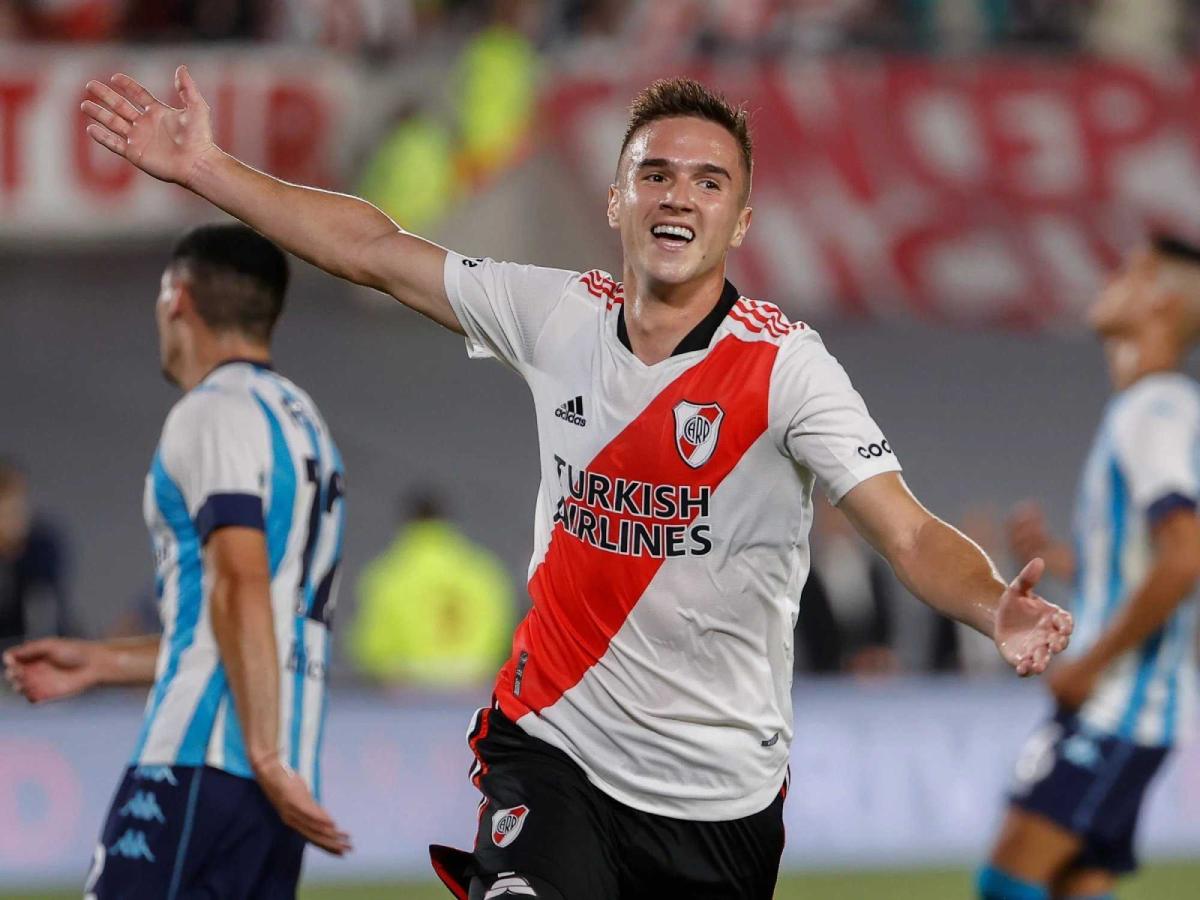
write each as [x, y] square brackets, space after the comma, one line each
[245, 447]
[1145, 462]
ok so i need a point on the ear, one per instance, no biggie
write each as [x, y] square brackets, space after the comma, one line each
[743, 225]
[177, 301]
[614, 203]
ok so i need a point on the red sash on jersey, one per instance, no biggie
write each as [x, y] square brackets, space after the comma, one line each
[582, 594]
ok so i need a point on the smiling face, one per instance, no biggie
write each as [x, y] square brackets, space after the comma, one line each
[679, 200]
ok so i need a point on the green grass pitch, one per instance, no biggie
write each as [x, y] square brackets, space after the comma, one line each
[1159, 881]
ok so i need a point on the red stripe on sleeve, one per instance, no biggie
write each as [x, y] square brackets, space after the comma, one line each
[582, 594]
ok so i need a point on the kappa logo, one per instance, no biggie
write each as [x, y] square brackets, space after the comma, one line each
[507, 824]
[697, 427]
[572, 411]
[144, 807]
[509, 884]
[132, 845]
[156, 774]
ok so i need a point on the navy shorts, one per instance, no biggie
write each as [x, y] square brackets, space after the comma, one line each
[1090, 783]
[542, 819]
[185, 832]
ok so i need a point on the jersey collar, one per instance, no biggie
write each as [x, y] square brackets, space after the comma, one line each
[238, 360]
[699, 337]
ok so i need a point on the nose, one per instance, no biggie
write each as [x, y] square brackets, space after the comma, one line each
[678, 197]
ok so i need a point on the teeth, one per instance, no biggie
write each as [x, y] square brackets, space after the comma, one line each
[680, 231]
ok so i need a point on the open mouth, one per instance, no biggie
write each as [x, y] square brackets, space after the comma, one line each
[673, 236]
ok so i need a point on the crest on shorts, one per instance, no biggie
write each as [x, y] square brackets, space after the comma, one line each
[507, 824]
[697, 427]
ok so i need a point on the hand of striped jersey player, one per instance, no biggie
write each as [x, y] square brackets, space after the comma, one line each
[53, 668]
[1029, 630]
[161, 140]
[296, 805]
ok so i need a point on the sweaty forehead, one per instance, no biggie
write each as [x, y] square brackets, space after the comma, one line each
[685, 141]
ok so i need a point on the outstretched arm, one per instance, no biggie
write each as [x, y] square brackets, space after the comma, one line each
[55, 668]
[343, 235]
[1172, 578]
[950, 573]
[244, 627]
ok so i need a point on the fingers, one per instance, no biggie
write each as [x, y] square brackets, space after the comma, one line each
[186, 86]
[106, 138]
[1030, 575]
[134, 91]
[29, 651]
[114, 101]
[318, 827]
[1063, 622]
[109, 120]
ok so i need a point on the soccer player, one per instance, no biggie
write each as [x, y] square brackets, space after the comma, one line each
[1127, 692]
[245, 511]
[638, 740]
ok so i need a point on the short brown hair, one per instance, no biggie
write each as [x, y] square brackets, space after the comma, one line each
[669, 98]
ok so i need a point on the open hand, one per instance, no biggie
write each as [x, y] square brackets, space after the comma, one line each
[53, 668]
[297, 807]
[1029, 630]
[164, 141]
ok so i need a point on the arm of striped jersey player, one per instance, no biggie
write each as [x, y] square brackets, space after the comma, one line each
[949, 572]
[244, 627]
[55, 668]
[346, 236]
[1173, 576]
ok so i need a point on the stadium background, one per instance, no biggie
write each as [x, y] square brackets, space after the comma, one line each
[940, 189]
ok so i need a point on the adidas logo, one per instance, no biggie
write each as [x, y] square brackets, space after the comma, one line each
[509, 884]
[143, 807]
[572, 411]
[132, 845]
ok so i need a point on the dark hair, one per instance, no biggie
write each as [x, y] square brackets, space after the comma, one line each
[1175, 248]
[237, 278]
[669, 98]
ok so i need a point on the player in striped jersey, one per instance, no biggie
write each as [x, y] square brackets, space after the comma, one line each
[1127, 692]
[638, 740]
[245, 511]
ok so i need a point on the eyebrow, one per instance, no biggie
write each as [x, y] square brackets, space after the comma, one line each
[703, 168]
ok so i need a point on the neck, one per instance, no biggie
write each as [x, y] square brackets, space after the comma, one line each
[659, 316]
[1133, 360]
[218, 349]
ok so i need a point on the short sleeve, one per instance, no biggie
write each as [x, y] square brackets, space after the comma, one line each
[216, 449]
[822, 421]
[503, 307]
[1157, 434]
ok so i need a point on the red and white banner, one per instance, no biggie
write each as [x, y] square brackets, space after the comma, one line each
[281, 111]
[996, 192]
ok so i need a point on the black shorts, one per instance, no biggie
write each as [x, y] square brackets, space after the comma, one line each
[541, 818]
[1089, 783]
[182, 832]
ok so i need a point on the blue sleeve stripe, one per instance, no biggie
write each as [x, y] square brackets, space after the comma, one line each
[1164, 506]
[221, 510]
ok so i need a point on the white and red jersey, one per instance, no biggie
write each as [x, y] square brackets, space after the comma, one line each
[671, 531]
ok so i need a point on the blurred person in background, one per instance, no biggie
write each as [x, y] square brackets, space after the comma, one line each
[34, 602]
[1127, 691]
[845, 623]
[244, 507]
[435, 609]
[682, 430]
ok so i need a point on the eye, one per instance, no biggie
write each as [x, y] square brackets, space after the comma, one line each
[656, 177]
[710, 185]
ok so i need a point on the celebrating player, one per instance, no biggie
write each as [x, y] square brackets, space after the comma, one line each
[638, 741]
[1128, 692]
[243, 502]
